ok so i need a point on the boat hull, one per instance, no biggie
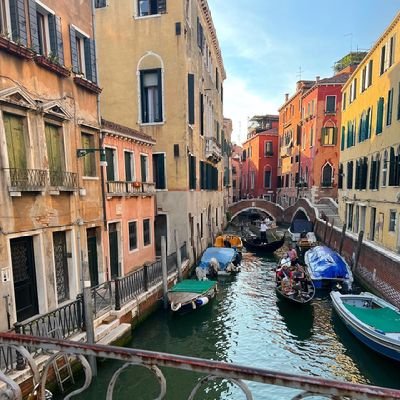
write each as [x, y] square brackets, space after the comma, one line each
[375, 339]
[263, 248]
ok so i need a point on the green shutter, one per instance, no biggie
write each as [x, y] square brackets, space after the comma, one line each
[18, 21]
[335, 134]
[343, 139]
[110, 165]
[379, 116]
[74, 50]
[191, 118]
[128, 166]
[15, 137]
[323, 133]
[33, 25]
[389, 107]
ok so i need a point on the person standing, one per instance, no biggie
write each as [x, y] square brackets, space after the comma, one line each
[263, 232]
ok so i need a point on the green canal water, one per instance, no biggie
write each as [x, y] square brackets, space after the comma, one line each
[249, 325]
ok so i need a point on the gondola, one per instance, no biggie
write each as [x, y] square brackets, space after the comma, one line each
[255, 244]
[298, 292]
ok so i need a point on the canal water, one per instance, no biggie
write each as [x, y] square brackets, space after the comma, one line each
[249, 325]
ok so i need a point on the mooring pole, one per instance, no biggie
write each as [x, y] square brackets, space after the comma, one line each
[164, 271]
[178, 256]
[358, 250]
[326, 229]
[342, 239]
[330, 235]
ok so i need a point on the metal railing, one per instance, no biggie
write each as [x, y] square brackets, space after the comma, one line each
[102, 298]
[130, 286]
[171, 262]
[183, 251]
[123, 188]
[302, 386]
[64, 180]
[27, 179]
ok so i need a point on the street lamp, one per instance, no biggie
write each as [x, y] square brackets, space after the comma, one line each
[83, 152]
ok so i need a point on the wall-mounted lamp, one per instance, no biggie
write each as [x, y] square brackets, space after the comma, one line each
[83, 152]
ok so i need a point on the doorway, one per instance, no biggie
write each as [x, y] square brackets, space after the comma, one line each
[160, 229]
[92, 256]
[61, 265]
[113, 248]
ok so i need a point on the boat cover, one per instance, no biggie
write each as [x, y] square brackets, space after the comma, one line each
[301, 225]
[193, 286]
[224, 256]
[384, 319]
[324, 263]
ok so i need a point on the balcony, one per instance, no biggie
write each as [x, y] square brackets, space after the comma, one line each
[286, 151]
[64, 181]
[213, 150]
[26, 180]
[124, 188]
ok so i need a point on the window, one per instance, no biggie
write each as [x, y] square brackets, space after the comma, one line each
[379, 116]
[5, 21]
[383, 58]
[389, 107]
[100, 3]
[151, 95]
[129, 166]
[111, 165]
[384, 168]
[83, 55]
[192, 172]
[146, 232]
[159, 171]
[312, 137]
[392, 50]
[328, 136]
[392, 221]
[144, 167]
[369, 74]
[344, 100]
[267, 177]
[340, 177]
[350, 175]
[252, 179]
[387, 54]
[327, 174]
[89, 160]
[209, 177]
[200, 35]
[55, 154]
[13, 21]
[151, 7]
[132, 228]
[350, 209]
[268, 149]
[343, 138]
[330, 104]
[15, 137]
[191, 117]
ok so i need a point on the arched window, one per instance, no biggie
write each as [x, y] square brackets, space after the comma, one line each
[327, 173]
[150, 75]
[329, 134]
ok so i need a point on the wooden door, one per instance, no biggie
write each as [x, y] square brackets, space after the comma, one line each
[61, 265]
[23, 265]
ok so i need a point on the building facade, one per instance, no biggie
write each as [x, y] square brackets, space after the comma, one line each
[130, 199]
[237, 152]
[175, 96]
[227, 162]
[289, 144]
[51, 214]
[319, 143]
[370, 143]
[260, 162]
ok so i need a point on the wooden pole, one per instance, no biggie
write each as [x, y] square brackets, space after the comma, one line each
[342, 239]
[326, 229]
[164, 270]
[358, 249]
[330, 235]
[178, 256]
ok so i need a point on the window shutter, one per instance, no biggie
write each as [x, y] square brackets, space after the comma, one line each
[392, 166]
[323, 132]
[18, 21]
[398, 104]
[143, 98]
[93, 60]
[33, 25]
[397, 173]
[74, 51]
[334, 136]
[369, 82]
[162, 6]
[160, 105]
[59, 39]
[128, 166]
[357, 181]
[389, 107]
[343, 139]
[191, 117]
[377, 173]
[379, 116]
[161, 171]
[372, 176]
[364, 173]
[53, 35]
[201, 114]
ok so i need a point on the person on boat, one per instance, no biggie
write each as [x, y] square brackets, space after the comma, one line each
[299, 278]
[292, 254]
[283, 271]
[227, 243]
[268, 222]
[213, 267]
[238, 257]
[263, 232]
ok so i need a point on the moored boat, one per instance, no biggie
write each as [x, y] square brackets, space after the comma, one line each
[256, 245]
[191, 294]
[372, 320]
[328, 269]
[217, 261]
[229, 240]
[293, 283]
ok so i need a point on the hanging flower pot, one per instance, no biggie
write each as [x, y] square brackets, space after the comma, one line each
[136, 184]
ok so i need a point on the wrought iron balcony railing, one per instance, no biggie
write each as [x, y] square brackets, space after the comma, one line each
[63, 180]
[302, 386]
[21, 180]
[124, 188]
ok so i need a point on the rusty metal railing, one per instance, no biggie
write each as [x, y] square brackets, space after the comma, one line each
[306, 386]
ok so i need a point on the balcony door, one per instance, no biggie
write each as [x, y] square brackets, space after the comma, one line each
[55, 154]
[15, 137]
[23, 266]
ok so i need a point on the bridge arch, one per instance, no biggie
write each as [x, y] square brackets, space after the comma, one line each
[272, 209]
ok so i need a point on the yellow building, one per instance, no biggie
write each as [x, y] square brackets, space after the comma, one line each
[162, 73]
[369, 182]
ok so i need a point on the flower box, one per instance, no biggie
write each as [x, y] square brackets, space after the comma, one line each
[137, 184]
[52, 66]
[14, 48]
[92, 87]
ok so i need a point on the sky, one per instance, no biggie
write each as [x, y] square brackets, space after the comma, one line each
[268, 45]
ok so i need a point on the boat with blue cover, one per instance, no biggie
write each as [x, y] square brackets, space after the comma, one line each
[191, 294]
[372, 320]
[217, 261]
[327, 269]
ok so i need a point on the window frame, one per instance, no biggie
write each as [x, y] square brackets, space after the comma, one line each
[133, 167]
[44, 12]
[130, 249]
[92, 156]
[267, 153]
[146, 156]
[392, 222]
[165, 169]
[267, 168]
[115, 161]
[335, 104]
[160, 95]
[139, 15]
[145, 244]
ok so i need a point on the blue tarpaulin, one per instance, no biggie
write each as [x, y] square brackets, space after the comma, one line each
[324, 263]
[301, 225]
[224, 256]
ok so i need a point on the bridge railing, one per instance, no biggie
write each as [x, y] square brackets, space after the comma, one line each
[302, 386]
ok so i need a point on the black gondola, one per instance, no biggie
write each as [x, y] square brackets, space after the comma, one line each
[257, 246]
[299, 291]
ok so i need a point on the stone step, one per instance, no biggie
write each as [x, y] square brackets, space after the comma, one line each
[104, 329]
[116, 334]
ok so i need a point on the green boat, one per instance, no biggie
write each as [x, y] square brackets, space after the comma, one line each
[191, 294]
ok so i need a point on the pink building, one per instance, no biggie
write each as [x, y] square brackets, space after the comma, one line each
[129, 199]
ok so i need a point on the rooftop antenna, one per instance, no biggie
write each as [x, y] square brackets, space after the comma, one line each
[351, 41]
[299, 73]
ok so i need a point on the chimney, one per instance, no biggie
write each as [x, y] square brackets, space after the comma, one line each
[286, 96]
[317, 78]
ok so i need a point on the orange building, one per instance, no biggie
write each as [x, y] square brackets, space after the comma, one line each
[289, 144]
[130, 198]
